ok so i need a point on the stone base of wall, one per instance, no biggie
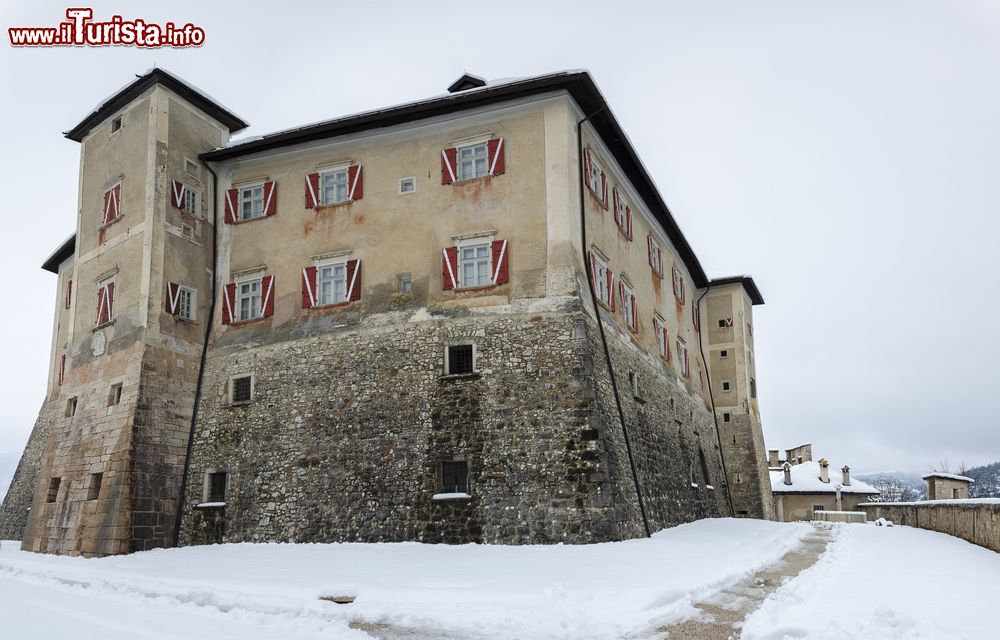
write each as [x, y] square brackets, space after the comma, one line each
[17, 502]
[976, 522]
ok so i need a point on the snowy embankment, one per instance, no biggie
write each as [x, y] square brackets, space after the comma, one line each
[610, 590]
[896, 583]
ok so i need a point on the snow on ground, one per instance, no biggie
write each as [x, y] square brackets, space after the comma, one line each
[268, 591]
[896, 583]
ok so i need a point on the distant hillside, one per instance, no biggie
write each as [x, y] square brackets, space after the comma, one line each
[8, 464]
[896, 486]
[987, 481]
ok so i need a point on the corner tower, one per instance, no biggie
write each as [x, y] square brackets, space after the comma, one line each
[134, 291]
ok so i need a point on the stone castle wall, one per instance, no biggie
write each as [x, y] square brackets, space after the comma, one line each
[17, 502]
[975, 521]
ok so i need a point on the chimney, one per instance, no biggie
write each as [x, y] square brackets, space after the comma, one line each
[772, 458]
[824, 470]
[847, 475]
[788, 473]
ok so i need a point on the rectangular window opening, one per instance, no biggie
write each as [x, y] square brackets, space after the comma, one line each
[217, 481]
[242, 389]
[53, 490]
[407, 185]
[474, 265]
[71, 407]
[115, 395]
[248, 299]
[333, 186]
[472, 161]
[116, 124]
[460, 359]
[405, 282]
[727, 417]
[726, 386]
[724, 353]
[455, 477]
[186, 304]
[331, 283]
[251, 203]
[94, 489]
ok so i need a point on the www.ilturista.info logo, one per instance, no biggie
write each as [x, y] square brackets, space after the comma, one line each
[80, 31]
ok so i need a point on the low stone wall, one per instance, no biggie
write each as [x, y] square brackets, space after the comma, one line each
[853, 517]
[977, 521]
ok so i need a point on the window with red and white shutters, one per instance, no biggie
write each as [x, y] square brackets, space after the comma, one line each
[247, 300]
[623, 214]
[655, 256]
[499, 272]
[495, 161]
[682, 358]
[173, 298]
[696, 316]
[354, 189]
[630, 307]
[251, 202]
[662, 337]
[597, 180]
[311, 286]
[679, 292]
[69, 293]
[604, 281]
[105, 303]
[112, 204]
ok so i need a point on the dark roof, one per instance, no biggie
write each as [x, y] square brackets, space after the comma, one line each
[467, 81]
[143, 82]
[748, 285]
[580, 86]
[59, 256]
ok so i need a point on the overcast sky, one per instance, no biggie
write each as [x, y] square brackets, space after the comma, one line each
[846, 154]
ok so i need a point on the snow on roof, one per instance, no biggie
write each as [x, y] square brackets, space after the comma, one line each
[948, 476]
[805, 479]
[936, 503]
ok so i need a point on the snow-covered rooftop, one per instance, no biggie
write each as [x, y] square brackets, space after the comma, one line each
[806, 479]
[947, 476]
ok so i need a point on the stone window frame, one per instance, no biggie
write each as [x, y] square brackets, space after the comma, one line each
[727, 416]
[231, 387]
[474, 240]
[115, 394]
[94, 484]
[71, 406]
[206, 485]
[461, 342]
[192, 294]
[412, 180]
[249, 277]
[251, 186]
[727, 386]
[439, 479]
[332, 173]
[55, 484]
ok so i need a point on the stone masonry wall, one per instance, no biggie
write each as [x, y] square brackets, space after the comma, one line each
[977, 522]
[17, 502]
[347, 428]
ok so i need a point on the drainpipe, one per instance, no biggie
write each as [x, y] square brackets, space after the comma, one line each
[600, 324]
[715, 414]
[204, 353]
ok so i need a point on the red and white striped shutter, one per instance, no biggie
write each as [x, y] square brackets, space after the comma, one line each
[267, 296]
[62, 368]
[649, 251]
[354, 279]
[586, 166]
[173, 298]
[355, 182]
[308, 287]
[449, 268]
[616, 202]
[69, 293]
[107, 206]
[312, 190]
[100, 306]
[683, 292]
[628, 220]
[117, 200]
[593, 271]
[270, 198]
[604, 190]
[500, 258]
[611, 290]
[232, 203]
[449, 164]
[109, 308]
[229, 304]
[635, 313]
[696, 316]
[666, 342]
[177, 193]
[496, 152]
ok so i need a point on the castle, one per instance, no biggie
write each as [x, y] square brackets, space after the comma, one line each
[470, 318]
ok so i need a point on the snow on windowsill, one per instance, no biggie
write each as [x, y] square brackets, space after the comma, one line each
[451, 496]
[210, 505]
[459, 376]
[710, 487]
[694, 485]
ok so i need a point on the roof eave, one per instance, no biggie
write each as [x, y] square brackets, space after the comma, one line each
[59, 256]
[748, 285]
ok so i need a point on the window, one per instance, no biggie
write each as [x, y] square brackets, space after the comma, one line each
[405, 282]
[455, 477]
[248, 300]
[333, 186]
[186, 303]
[474, 265]
[603, 279]
[112, 204]
[629, 307]
[678, 285]
[597, 182]
[216, 484]
[704, 466]
[407, 185]
[115, 395]
[728, 417]
[696, 316]
[633, 383]
[241, 389]
[71, 407]
[331, 283]
[726, 386]
[818, 507]
[753, 388]
[191, 168]
[682, 358]
[94, 488]
[623, 214]
[724, 353]
[53, 490]
[749, 329]
[662, 337]
[472, 161]
[190, 200]
[105, 300]
[116, 124]
[69, 293]
[461, 359]
[655, 256]
[251, 202]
